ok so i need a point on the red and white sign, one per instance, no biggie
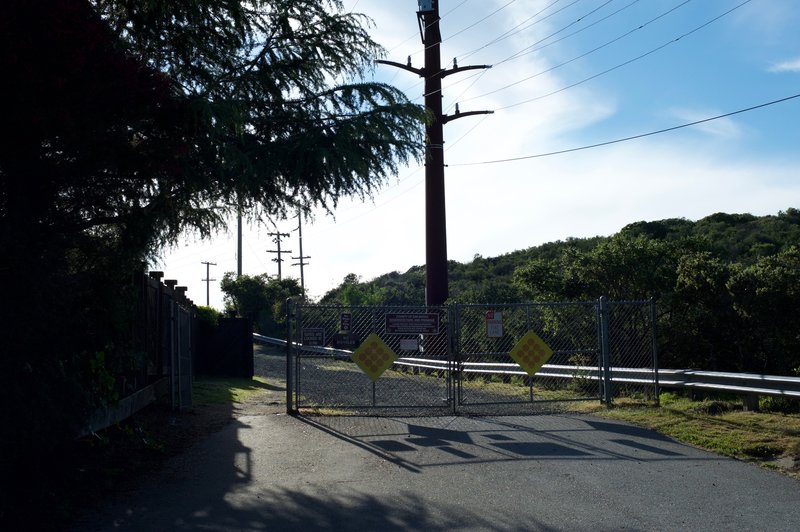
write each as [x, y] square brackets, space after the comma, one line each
[494, 324]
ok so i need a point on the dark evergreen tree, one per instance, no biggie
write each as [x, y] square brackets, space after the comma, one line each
[126, 124]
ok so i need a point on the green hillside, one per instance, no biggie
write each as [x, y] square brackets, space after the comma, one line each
[727, 286]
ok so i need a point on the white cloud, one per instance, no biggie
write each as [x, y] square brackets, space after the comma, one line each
[772, 23]
[792, 65]
[497, 208]
[724, 128]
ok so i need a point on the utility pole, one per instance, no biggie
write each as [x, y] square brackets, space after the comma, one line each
[436, 290]
[278, 259]
[301, 258]
[208, 280]
[239, 209]
[239, 241]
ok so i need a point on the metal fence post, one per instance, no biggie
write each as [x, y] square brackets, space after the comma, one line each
[174, 356]
[605, 350]
[654, 331]
[453, 333]
[178, 355]
[289, 372]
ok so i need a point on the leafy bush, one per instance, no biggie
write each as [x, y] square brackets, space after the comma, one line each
[207, 317]
[780, 405]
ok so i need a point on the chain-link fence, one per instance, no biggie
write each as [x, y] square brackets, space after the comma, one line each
[490, 376]
[470, 358]
[412, 344]
[632, 349]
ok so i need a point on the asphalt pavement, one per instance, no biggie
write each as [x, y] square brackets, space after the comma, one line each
[543, 472]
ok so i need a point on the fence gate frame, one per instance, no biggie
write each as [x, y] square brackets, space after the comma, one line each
[624, 354]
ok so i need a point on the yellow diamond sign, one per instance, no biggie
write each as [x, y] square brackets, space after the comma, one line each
[531, 353]
[374, 357]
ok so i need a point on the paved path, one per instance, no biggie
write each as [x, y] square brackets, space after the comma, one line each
[563, 472]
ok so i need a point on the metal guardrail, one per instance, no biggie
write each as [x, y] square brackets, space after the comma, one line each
[267, 340]
[746, 384]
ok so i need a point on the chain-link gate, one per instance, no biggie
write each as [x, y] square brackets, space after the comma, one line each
[413, 343]
[464, 358]
[632, 349]
[491, 380]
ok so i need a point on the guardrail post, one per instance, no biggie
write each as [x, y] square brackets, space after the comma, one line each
[605, 351]
[750, 402]
[289, 373]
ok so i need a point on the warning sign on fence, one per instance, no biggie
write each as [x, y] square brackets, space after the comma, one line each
[345, 321]
[427, 323]
[494, 324]
[531, 353]
[345, 340]
[374, 357]
[312, 337]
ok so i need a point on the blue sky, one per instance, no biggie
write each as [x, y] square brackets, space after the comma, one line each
[748, 162]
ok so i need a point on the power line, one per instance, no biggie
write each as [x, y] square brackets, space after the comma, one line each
[581, 56]
[493, 13]
[405, 179]
[531, 48]
[628, 62]
[518, 29]
[426, 28]
[477, 77]
[634, 137]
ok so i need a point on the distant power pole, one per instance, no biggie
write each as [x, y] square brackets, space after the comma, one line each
[436, 291]
[208, 280]
[278, 259]
[239, 237]
[301, 258]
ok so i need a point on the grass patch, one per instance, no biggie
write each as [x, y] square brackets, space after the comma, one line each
[717, 425]
[331, 411]
[221, 390]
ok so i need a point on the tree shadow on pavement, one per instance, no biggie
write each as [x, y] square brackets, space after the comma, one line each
[316, 509]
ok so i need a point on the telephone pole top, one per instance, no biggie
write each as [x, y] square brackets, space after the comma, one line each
[208, 280]
[436, 289]
[301, 258]
[277, 240]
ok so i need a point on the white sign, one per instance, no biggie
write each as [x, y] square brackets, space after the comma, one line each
[494, 324]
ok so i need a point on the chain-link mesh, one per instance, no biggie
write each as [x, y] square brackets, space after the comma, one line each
[490, 377]
[327, 377]
[459, 358]
[632, 357]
